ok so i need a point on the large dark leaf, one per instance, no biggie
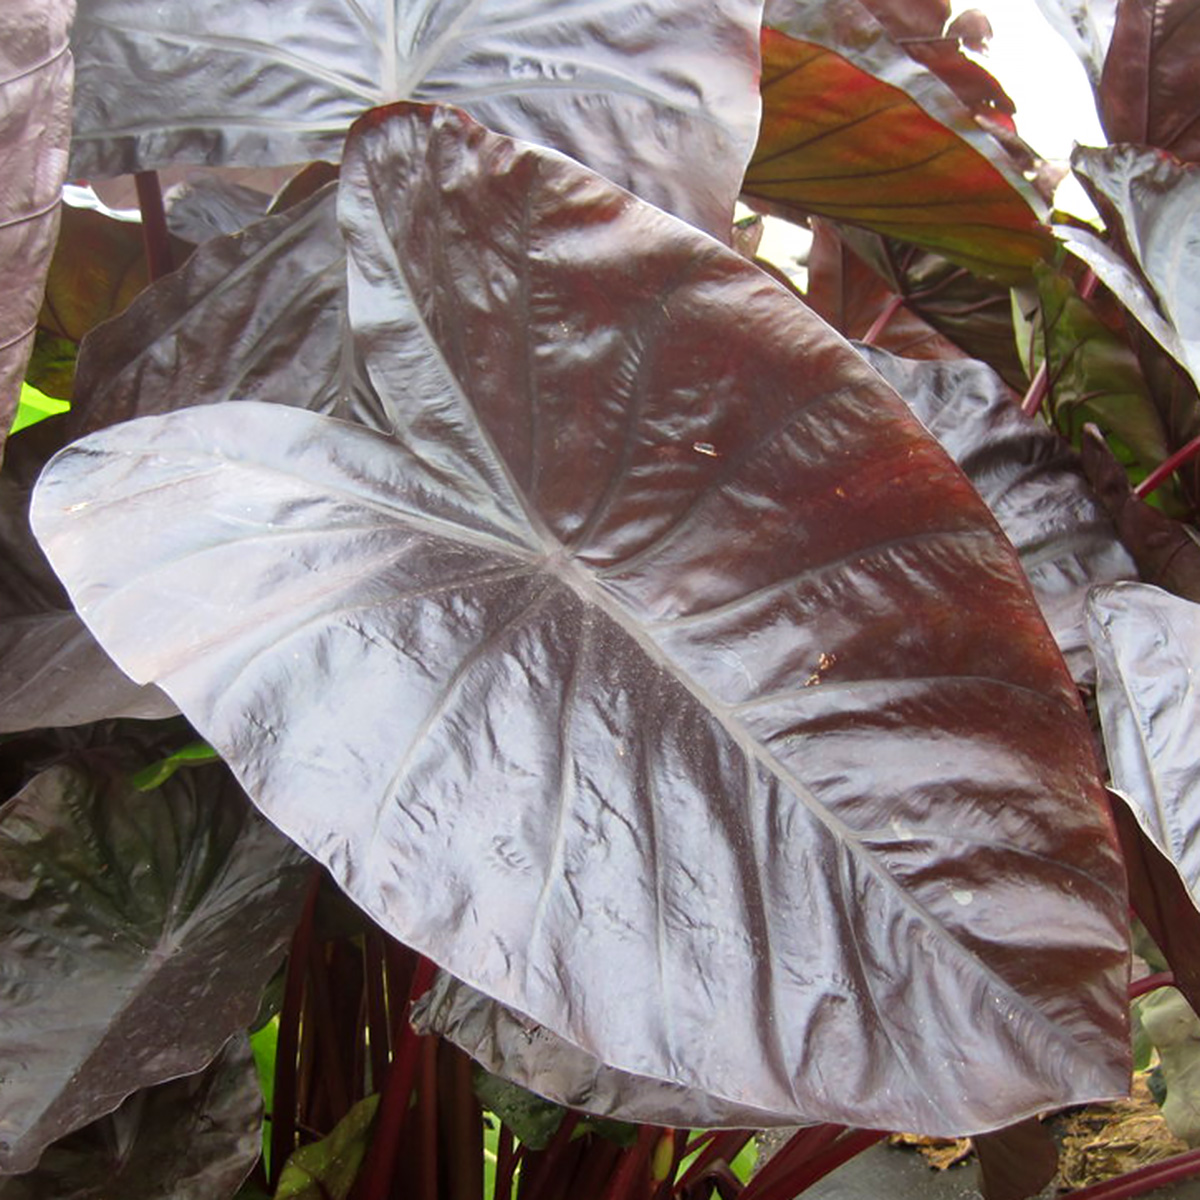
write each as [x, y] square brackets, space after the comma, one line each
[1017, 1162]
[1152, 204]
[660, 675]
[195, 1138]
[1148, 93]
[1031, 481]
[856, 130]
[660, 98]
[52, 671]
[1147, 642]
[35, 123]
[138, 929]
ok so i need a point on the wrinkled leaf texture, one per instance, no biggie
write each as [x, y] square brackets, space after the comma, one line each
[1147, 93]
[195, 1138]
[1152, 204]
[855, 130]
[36, 74]
[1147, 642]
[1031, 481]
[660, 98]
[138, 930]
[52, 670]
[659, 675]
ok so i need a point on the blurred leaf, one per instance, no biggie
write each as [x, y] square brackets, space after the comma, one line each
[157, 773]
[157, 919]
[1174, 1030]
[195, 1138]
[326, 1170]
[1167, 552]
[856, 130]
[35, 126]
[34, 406]
[533, 1119]
[1087, 25]
[1147, 93]
[1016, 1162]
[52, 365]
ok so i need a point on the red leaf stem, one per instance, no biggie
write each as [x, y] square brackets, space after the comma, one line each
[1145, 1179]
[1164, 470]
[890, 309]
[1148, 983]
[155, 237]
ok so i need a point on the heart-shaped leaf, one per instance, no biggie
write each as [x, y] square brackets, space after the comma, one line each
[660, 98]
[35, 123]
[659, 674]
[1031, 481]
[145, 925]
[1147, 642]
[855, 130]
[1147, 93]
[195, 1138]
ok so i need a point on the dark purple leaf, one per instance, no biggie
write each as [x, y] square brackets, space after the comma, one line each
[1147, 642]
[855, 130]
[660, 98]
[660, 674]
[52, 671]
[1087, 26]
[146, 925]
[1152, 204]
[1030, 479]
[35, 124]
[1147, 93]
[1016, 1162]
[256, 316]
[195, 1138]
[210, 206]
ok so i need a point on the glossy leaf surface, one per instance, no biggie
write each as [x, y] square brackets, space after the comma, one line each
[35, 124]
[1147, 642]
[855, 130]
[195, 1138]
[660, 98]
[615, 681]
[1154, 204]
[1147, 93]
[140, 928]
[1031, 481]
[52, 670]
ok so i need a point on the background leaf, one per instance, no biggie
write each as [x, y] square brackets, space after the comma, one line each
[1087, 25]
[1147, 93]
[145, 925]
[624, 665]
[1031, 481]
[35, 123]
[660, 98]
[195, 1138]
[855, 130]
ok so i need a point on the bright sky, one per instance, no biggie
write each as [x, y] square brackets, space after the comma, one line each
[1042, 75]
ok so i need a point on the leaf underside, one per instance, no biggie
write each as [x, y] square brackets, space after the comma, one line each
[611, 679]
